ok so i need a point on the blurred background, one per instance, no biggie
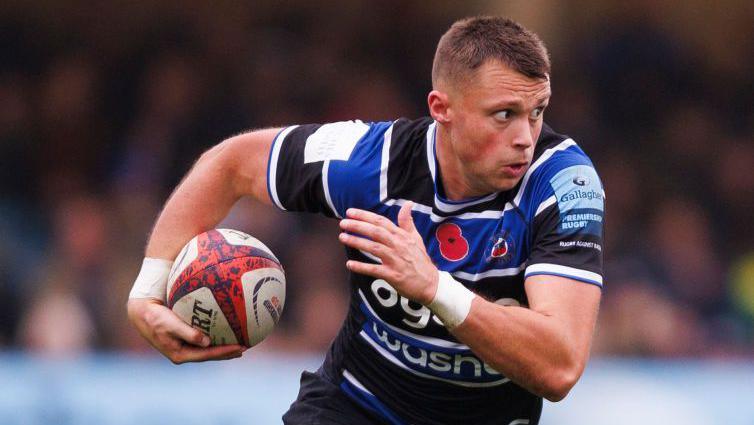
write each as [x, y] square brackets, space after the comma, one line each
[104, 107]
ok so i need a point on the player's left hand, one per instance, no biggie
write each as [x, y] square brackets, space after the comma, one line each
[405, 263]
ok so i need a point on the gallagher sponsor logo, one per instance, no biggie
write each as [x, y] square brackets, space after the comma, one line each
[581, 194]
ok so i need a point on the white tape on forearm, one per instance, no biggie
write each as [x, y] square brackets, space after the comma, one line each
[452, 301]
[152, 281]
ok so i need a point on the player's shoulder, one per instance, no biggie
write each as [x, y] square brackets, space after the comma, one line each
[555, 152]
[334, 140]
[401, 131]
[554, 147]
[559, 166]
[411, 131]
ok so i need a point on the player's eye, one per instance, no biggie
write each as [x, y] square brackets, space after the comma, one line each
[537, 113]
[503, 115]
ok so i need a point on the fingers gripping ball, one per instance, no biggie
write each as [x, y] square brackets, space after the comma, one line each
[229, 285]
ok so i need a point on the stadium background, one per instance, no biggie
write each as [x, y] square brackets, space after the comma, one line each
[104, 107]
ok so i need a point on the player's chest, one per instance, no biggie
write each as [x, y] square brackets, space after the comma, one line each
[488, 255]
[475, 248]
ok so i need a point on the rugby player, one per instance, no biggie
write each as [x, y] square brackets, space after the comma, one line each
[473, 239]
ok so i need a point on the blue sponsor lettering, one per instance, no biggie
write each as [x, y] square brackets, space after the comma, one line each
[582, 221]
[442, 362]
[583, 217]
[580, 194]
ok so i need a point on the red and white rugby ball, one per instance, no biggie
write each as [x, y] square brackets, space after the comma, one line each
[229, 285]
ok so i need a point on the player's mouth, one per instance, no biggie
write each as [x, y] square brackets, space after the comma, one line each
[515, 170]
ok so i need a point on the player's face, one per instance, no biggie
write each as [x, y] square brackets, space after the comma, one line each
[494, 120]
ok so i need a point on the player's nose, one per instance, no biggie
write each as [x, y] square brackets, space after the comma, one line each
[522, 134]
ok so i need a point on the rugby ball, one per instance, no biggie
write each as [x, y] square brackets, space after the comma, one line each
[229, 285]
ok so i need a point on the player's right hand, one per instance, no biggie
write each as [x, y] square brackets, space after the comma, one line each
[172, 337]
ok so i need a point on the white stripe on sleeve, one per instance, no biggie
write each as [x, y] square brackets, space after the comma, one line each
[565, 271]
[272, 168]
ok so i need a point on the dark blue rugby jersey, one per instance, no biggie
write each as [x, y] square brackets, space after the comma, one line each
[393, 355]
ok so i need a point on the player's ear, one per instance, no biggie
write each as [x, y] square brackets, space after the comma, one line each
[438, 105]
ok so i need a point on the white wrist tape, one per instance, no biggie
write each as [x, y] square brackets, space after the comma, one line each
[152, 281]
[452, 301]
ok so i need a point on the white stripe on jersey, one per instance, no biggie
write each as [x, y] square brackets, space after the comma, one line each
[326, 187]
[489, 273]
[355, 382]
[430, 148]
[372, 257]
[272, 168]
[565, 144]
[417, 206]
[425, 209]
[449, 208]
[385, 162]
[557, 269]
[546, 203]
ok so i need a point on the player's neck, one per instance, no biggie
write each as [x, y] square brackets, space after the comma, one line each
[451, 171]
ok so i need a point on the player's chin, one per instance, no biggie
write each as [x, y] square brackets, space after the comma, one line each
[505, 183]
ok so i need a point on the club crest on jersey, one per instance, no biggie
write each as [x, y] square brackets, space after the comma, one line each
[502, 248]
[453, 246]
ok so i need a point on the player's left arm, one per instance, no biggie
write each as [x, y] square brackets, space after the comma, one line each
[543, 348]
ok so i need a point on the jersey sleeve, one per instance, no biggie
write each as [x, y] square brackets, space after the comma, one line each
[567, 227]
[326, 168]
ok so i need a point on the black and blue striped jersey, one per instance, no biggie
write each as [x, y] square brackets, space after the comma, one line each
[392, 355]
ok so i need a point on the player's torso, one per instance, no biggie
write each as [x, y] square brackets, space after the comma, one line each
[399, 351]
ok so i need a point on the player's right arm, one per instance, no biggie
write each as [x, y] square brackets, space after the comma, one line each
[235, 168]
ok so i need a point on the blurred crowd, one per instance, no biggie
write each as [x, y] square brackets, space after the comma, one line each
[103, 108]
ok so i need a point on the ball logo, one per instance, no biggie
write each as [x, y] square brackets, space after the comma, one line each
[453, 246]
[201, 317]
[273, 307]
